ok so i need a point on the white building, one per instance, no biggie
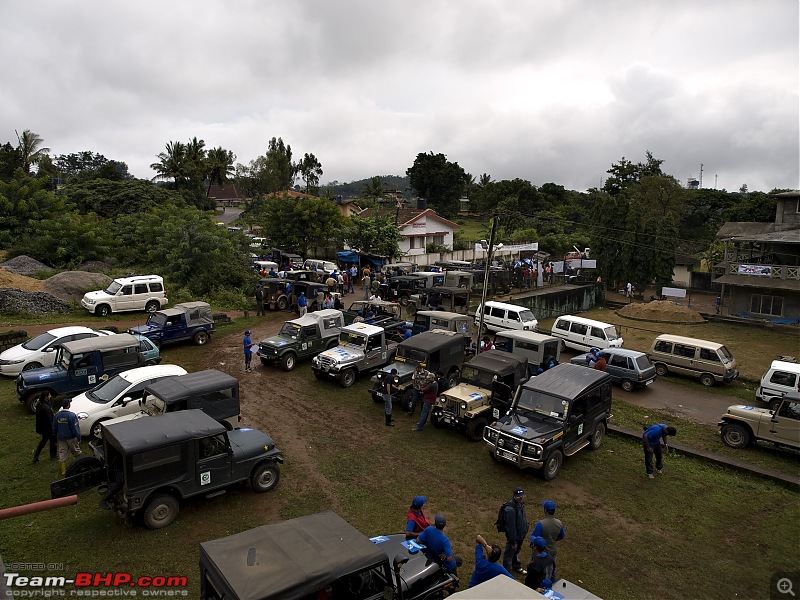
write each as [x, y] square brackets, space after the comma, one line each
[418, 227]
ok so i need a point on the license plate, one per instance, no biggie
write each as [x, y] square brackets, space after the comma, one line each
[507, 455]
[648, 382]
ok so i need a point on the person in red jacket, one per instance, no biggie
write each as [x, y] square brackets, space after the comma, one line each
[417, 520]
[429, 393]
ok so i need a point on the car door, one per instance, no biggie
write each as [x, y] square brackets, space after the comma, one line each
[779, 383]
[127, 403]
[617, 366]
[579, 336]
[576, 423]
[123, 300]
[214, 459]
[785, 424]
[375, 352]
[683, 359]
[173, 329]
[597, 337]
[84, 372]
[309, 339]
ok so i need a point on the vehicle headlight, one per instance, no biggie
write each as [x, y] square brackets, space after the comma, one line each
[83, 415]
[12, 362]
[442, 399]
[315, 361]
[463, 406]
[532, 450]
[492, 435]
[89, 301]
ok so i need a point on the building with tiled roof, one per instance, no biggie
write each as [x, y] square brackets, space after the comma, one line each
[418, 227]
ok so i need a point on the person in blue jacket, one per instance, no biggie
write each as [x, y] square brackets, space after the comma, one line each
[302, 303]
[68, 434]
[486, 566]
[247, 345]
[438, 545]
[651, 442]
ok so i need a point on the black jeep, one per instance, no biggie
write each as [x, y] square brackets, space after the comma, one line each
[554, 415]
[149, 465]
[319, 556]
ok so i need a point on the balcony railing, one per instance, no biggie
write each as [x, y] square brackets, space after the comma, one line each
[765, 271]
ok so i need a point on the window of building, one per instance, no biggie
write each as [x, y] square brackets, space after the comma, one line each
[766, 305]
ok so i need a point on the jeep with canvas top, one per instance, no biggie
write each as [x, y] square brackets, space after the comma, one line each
[362, 347]
[488, 377]
[553, 415]
[451, 299]
[425, 320]
[271, 562]
[150, 465]
[186, 321]
[79, 366]
[436, 350]
[302, 338]
[383, 312]
[743, 425]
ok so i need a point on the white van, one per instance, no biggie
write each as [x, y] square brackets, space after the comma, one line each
[142, 292]
[781, 378]
[583, 334]
[499, 316]
[709, 361]
[326, 266]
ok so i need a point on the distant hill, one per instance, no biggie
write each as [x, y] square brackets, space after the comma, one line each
[353, 189]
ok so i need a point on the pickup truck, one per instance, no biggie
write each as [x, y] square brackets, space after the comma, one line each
[79, 366]
[467, 406]
[302, 338]
[362, 347]
[187, 321]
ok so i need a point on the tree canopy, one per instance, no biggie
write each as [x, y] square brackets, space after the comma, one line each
[441, 182]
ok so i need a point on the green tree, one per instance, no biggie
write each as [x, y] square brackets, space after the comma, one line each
[67, 241]
[270, 173]
[220, 165]
[310, 170]
[109, 198]
[439, 181]
[10, 161]
[373, 189]
[31, 150]
[24, 200]
[171, 163]
[376, 235]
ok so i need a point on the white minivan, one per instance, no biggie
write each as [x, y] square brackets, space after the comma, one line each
[499, 316]
[583, 334]
[781, 378]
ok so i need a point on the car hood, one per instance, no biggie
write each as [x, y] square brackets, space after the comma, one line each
[250, 442]
[468, 392]
[98, 295]
[17, 353]
[344, 352]
[404, 369]
[36, 376]
[144, 329]
[748, 412]
[420, 572]
[529, 427]
[278, 341]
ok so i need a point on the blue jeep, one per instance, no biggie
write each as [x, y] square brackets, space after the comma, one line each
[187, 321]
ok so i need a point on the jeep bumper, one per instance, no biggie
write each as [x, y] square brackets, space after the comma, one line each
[514, 450]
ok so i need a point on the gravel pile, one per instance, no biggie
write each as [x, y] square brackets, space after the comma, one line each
[36, 303]
[72, 285]
[660, 310]
[24, 265]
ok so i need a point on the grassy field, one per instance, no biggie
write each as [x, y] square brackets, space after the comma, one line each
[698, 531]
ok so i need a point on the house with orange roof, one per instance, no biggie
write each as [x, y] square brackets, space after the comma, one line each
[418, 227]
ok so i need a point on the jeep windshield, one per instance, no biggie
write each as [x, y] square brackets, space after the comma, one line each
[40, 341]
[291, 330]
[112, 289]
[108, 390]
[354, 339]
[157, 320]
[542, 404]
[478, 377]
[411, 354]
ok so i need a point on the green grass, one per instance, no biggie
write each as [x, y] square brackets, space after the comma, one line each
[700, 530]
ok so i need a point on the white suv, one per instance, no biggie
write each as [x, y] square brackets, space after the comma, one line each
[40, 351]
[142, 292]
[117, 397]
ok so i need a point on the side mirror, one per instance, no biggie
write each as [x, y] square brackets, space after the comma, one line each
[50, 349]
[125, 400]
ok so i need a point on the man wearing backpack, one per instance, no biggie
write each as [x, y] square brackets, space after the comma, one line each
[516, 530]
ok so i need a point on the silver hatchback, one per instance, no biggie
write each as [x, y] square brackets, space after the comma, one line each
[628, 368]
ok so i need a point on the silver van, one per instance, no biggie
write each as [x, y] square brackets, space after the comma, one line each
[581, 334]
[628, 368]
[781, 378]
[708, 361]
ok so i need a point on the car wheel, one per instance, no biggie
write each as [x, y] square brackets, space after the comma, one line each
[32, 401]
[83, 464]
[288, 361]
[436, 420]
[332, 344]
[626, 385]
[475, 429]
[152, 306]
[282, 304]
[97, 429]
[735, 435]
[707, 379]
[598, 435]
[552, 465]
[411, 309]
[661, 369]
[403, 300]
[200, 338]
[102, 310]
[32, 365]
[265, 477]
[405, 401]
[347, 378]
[320, 375]
[151, 362]
[160, 511]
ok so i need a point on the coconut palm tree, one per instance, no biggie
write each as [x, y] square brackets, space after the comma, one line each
[30, 149]
[374, 188]
[171, 163]
[219, 166]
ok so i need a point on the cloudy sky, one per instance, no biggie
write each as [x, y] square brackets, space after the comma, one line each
[544, 90]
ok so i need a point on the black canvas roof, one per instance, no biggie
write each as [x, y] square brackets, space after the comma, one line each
[566, 380]
[178, 388]
[496, 361]
[287, 560]
[152, 432]
[430, 340]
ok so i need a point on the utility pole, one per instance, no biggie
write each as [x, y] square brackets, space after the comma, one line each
[486, 282]
[701, 175]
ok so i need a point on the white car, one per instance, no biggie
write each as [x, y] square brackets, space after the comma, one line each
[40, 351]
[117, 397]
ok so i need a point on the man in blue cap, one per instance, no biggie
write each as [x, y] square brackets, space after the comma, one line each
[516, 531]
[417, 520]
[247, 345]
[551, 529]
[302, 304]
[438, 545]
[541, 569]
[486, 566]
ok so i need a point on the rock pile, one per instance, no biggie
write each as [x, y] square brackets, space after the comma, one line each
[660, 310]
[24, 265]
[72, 285]
[37, 303]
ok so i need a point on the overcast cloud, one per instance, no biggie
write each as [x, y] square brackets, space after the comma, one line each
[548, 91]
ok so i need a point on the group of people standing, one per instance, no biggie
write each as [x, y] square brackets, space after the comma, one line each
[60, 430]
[426, 387]
[541, 569]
